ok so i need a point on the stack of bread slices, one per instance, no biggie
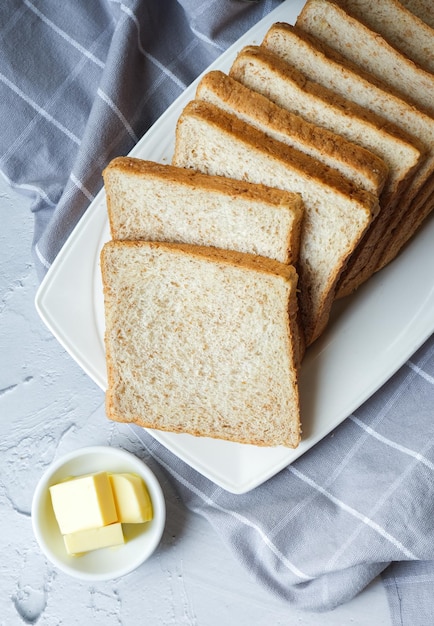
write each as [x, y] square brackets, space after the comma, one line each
[295, 177]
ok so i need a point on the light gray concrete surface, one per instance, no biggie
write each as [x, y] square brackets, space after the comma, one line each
[48, 406]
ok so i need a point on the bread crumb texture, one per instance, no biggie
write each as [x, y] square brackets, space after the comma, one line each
[201, 344]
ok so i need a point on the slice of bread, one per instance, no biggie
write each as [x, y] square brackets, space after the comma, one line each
[399, 26]
[359, 165]
[200, 341]
[337, 213]
[326, 21]
[160, 202]
[277, 79]
[423, 9]
[267, 73]
[365, 48]
[319, 63]
[324, 65]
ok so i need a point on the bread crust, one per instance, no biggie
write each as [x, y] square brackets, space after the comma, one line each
[348, 113]
[368, 51]
[399, 27]
[195, 179]
[302, 162]
[153, 201]
[317, 277]
[423, 9]
[324, 63]
[360, 165]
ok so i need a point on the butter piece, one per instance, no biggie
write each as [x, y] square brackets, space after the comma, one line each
[132, 501]
[94, 538]
[84, 502]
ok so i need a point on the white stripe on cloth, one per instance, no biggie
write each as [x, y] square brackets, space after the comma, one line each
[420, 371]
[105, 98]
[393, 488]
[206, 39]
[360, 516]
[157, 83]
[42, 112]
[80, 186]
[146, 54]
[41, 257]
[237, 516]
[397, 446]
[199, 34]
[64, 35]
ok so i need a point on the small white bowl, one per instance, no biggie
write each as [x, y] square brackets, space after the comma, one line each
[106, 563]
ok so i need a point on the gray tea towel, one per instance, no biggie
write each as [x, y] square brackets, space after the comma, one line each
[358, 504]
[80, 83]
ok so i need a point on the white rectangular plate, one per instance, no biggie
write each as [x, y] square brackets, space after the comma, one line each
[370, 335]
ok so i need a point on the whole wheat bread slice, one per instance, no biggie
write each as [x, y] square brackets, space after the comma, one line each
[337, 213]
[326, 21]
[361, 166]
[320, 63]
[423, 9]
[324, 65]
[399, 26]
[267, 73]
[200, 341]
[160, 202]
